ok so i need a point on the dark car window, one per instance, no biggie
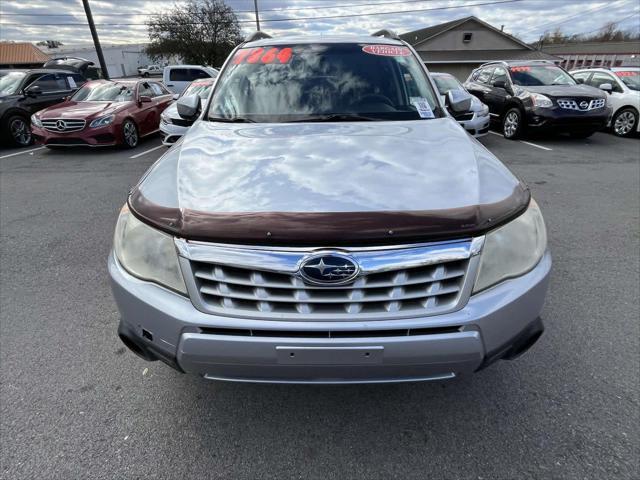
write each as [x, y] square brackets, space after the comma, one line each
[104, 92]
[51, 82]
[316, 82]
[499, 75]
[187, 74]
[10, 82]
[145, 90]
[485, 75]
[599, 78]
[539, 75]
[581, 76]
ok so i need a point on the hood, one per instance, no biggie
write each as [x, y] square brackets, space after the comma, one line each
[82, 109]
[328, 183]
[585, 91]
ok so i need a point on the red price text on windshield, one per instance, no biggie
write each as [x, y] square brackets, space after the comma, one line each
[520, 69]
[263, 55]
[387, 50]
[627, 74]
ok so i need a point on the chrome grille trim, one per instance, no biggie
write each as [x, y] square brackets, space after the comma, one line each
[264, 283]
[70, 125]
[570, 104]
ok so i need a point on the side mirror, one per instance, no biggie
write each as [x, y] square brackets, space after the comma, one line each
[458, 101]
[33, 91]
[176, 96]
[189, 107]
[500, 84]
[144, 99]
[607, 87]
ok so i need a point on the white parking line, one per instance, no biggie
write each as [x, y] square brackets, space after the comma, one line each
[526, 143]
[147, 151]
[21, 152]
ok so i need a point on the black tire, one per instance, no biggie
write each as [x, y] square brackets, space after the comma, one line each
[130, 135]
[625, 122]
[512, 122]
[581, 134]
[145, 74]
[18, 131]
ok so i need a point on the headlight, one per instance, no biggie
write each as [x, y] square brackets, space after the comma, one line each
[484, 110]
[541, 101]
[513, 249]
[102, 121]
[36, 121]
[165, 118]
[146, 252]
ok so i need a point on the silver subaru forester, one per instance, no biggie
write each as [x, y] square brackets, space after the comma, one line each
[326, 220]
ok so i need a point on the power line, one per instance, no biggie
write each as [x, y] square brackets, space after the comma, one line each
[612, 23]
[566, 19]
[287, 9]
[271, 20]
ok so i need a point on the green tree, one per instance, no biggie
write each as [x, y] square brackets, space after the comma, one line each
[202, 32]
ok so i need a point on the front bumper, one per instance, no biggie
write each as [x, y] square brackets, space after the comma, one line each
[164, 325]
[171, 133]
[560, 119]
[478, 126]
[87, 137]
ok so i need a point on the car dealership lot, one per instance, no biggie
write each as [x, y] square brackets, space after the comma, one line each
[76, 404]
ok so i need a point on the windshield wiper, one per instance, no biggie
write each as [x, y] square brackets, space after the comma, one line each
[339, 117]
[231, 120]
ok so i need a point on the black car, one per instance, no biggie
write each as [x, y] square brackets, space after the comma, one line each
[24, 92]
[538, 96]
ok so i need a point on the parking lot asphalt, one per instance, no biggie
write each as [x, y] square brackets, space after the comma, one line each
[76, 404]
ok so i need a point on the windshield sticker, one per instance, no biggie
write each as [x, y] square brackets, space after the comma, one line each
[520, 69]
[72, 82]
[261, 55]
[629, 73]
[422, 106]
[387, 50]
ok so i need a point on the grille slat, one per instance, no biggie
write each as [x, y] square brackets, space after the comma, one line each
[418, 290]
[63, 125]
[576, 104]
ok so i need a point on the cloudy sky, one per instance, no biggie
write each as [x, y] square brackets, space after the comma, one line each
[123, 21]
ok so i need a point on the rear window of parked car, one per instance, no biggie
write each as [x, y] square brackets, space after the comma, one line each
[187, 74]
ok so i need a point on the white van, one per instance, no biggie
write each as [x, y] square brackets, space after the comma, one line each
[177, 77]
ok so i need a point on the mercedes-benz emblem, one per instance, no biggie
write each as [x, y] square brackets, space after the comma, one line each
[584, 105]
[329, 269]
[61, 125]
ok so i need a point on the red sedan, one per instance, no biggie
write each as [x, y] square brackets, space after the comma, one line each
[102, 113]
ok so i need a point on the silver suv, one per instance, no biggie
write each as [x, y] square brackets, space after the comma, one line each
[326, 220]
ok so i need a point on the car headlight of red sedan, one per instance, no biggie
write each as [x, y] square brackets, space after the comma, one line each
[102, 121]
[35, 121]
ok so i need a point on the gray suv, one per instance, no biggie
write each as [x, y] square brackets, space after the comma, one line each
[326, 220]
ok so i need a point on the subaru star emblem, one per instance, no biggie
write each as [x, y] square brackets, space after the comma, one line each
[61, 125]
[329, 269]
[584, 105]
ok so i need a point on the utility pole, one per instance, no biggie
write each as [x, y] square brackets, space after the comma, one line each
[255, 4]
[96, 40]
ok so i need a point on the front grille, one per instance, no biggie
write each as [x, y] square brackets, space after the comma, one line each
[463, 116]
[405, 290]
[57, 125]
[582, 105]
[181, 122]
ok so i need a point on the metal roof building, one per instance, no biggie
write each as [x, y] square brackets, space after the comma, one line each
[596, 54]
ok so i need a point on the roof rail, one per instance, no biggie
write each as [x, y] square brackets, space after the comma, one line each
[386, 34]
[258, 35]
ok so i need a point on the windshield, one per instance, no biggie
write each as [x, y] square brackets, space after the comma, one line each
[446, 83]
[104, 92]
[10, 82]
[201, 89]
[630, 78]
[538, 76]
[323, 82]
